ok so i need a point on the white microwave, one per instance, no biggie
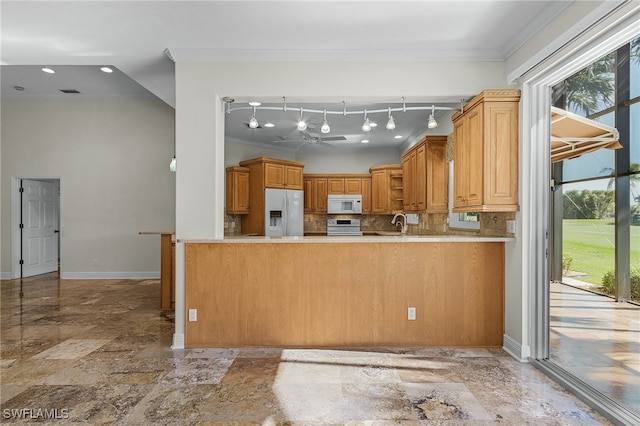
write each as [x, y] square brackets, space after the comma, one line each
[344, 204]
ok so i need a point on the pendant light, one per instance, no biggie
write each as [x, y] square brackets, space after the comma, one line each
[253, 123]
[391, 124]
[366, 126]
[432, 123]
[325, 126]
[302, 126]
[172, 164]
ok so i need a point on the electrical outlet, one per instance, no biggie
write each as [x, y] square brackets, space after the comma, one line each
[193, 315]
[511, 226]
[411, 313]
[413, 219]
[94, 262]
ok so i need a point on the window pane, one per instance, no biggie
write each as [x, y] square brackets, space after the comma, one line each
[634, 232]
[634, 132]
[592, 89]
[588, 234]
[635, 68]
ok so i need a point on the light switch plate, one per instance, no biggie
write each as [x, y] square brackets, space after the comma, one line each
[413, 219]
[193, 315]
[411, 313]
[511, 226]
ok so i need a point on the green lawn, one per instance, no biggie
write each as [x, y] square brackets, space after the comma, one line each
[591, 245]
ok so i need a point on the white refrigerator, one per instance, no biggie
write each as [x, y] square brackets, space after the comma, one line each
[283, 212]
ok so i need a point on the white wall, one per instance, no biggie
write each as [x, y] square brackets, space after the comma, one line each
[112, 158]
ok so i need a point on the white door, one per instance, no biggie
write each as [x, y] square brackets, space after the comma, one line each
[39, 221]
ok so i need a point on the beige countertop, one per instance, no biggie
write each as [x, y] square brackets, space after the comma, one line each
[357, 239]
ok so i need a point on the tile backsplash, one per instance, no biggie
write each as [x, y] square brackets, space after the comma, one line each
[491, 224]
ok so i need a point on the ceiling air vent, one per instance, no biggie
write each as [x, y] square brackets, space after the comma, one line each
[69, 91]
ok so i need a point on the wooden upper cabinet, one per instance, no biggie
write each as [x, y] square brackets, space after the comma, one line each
[425, 176]
[237, 190]
[353, 186]
[277, 173]
[293, 177]
[366, 195]
[386, 189]
[265, 172]
[335, 185]
[486, 153]
[315, 194]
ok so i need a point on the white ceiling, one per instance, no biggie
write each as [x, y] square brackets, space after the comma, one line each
[133, 36]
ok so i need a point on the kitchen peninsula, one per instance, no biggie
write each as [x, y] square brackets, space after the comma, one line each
[345, 291]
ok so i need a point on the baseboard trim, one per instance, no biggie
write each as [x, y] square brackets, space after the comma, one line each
[178, 341]
[5, 276]
[513, 348]
[143, 275]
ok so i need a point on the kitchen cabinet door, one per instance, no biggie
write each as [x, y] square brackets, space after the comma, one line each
[366, 195]
[335, 185]
[353, 186]
[420, 179]
[379, 191]
[437, 178]
[319, 195]
[308, 195]
[237, 190]
[274, 175]
[293, 177]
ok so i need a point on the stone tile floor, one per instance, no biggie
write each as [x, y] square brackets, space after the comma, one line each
[97, 352]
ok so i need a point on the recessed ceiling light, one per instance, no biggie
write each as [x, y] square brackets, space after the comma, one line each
[373, 124]
[269, 125]
[49, 70]
[364, 141]
[397, 137]
[255, 103]
[106, 69]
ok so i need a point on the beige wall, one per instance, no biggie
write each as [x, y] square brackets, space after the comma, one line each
[112, 158]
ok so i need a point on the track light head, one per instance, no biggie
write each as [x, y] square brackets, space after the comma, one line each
[432, 123]
[253, 123]
[325, 126]
[366, 126]
[391, 124]
[302, 126]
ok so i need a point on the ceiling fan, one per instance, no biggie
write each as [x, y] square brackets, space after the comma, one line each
[314, 139]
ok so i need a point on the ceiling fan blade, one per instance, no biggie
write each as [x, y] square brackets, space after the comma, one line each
[333, 138]
[327, 145]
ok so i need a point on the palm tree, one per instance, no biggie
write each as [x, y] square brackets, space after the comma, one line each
[592, 88]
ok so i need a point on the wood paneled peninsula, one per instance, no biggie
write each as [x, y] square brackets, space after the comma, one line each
[345, 291]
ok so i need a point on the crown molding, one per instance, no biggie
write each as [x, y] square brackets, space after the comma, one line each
[322, 55]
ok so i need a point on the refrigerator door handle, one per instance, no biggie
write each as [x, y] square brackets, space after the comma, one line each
[286, 209]
[285, 218]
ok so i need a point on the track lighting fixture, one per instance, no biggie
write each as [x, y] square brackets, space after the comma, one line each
[302, 126]
[432, 123]
[391, 124]
[325, 126]
[253, 123]
[366, 126]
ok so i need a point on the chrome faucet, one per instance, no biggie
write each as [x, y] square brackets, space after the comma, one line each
[396, 222]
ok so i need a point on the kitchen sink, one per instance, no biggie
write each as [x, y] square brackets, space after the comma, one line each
[389, 233]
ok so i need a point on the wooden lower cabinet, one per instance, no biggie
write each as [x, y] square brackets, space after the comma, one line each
[246, 296]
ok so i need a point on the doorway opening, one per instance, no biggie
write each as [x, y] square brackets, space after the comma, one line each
[35, 226]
